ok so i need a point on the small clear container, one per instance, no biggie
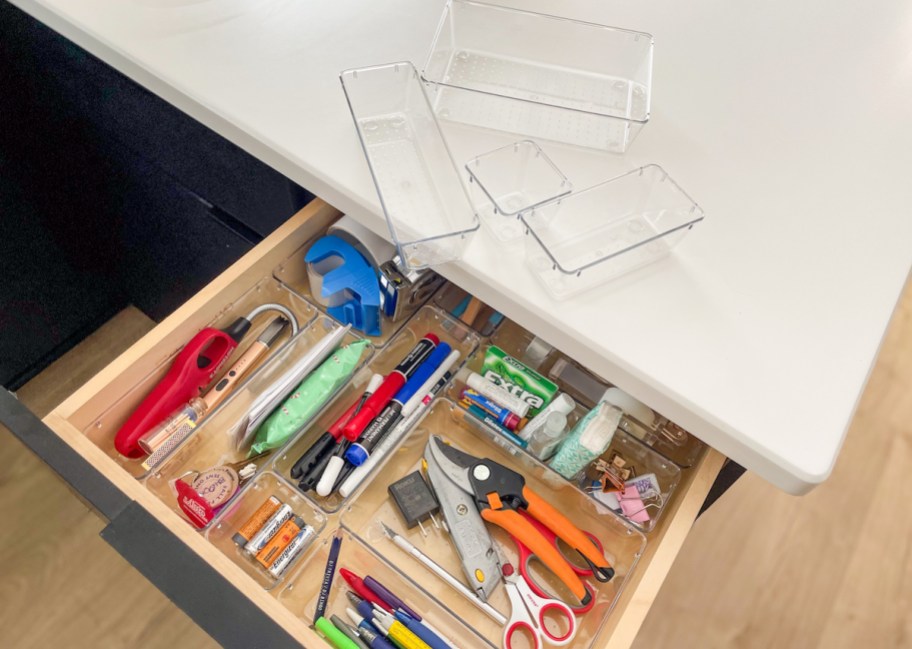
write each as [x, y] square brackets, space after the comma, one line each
[212, 444]
[292, 272]
[510, 180]
[652, 482]
[302, 591]
[543, 76]
[664, 436]
[428, 319]
[607, 230]
[468, 309]
[229, 521]
[104, 428]
[421, 190]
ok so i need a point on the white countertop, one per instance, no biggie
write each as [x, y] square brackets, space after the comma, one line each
[790, 123]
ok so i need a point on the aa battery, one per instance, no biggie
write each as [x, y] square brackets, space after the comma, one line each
[256, 522]
[271, 551]
[269, 529]
[292, 550]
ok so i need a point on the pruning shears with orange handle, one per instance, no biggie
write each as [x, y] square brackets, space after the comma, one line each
[499, 494]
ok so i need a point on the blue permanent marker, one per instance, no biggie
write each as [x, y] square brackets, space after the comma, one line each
[358, 452]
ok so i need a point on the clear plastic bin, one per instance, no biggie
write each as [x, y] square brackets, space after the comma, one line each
[292, 272]
[231, 519]
[622, 543]
[459, 304]
[644, 464]
[302, 591]
[421, 190]
[606, 230]
[511, 180]
[542, 76]
[669, 440]
[428, 319]
[102, 431]
[213, 443]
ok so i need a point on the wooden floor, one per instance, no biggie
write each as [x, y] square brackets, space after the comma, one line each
[761, 569]
[61, 585]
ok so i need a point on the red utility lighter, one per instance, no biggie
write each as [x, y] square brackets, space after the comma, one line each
[193, 369]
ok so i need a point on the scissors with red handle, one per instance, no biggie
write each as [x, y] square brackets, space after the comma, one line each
[526, 555]
[530, 613]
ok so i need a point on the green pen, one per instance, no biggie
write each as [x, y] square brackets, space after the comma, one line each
[335, 637]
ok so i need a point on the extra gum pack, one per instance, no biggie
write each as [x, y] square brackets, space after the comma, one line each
[518, 379]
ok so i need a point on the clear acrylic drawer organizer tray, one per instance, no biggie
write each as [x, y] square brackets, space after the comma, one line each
[421, 190]
[541, 76]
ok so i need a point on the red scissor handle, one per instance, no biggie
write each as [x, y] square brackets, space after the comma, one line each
[526, 555]
[566, 612]
[521, 626]
[193, 369]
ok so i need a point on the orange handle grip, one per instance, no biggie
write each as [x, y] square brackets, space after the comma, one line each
[564, 529]
[522, 529]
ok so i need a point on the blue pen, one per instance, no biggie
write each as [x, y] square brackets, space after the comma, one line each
[368, 632]
[358, 452]
[433, 640]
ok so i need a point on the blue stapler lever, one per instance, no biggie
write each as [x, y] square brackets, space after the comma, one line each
[347, 282]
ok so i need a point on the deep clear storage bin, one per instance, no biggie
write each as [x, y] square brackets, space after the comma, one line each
[510, 180]
[607, 230]
[421, 190]
[539, 75]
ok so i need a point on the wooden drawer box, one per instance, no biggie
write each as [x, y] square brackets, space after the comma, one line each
[185, 563]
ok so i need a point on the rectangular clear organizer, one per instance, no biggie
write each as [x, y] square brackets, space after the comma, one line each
[428, 319]
[292, 273]
[510, 180]
[642, 461]
[422, 192]
[642, 506]
[468, 309]
[213, 442]
[622, 543]
[542, 76]
[233, 517]
[302, 589]
[666, 438]
[607, 230]
[103, 429]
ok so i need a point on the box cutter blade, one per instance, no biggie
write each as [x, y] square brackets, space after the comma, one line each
[477, 553]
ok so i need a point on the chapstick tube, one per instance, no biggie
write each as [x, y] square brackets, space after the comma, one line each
[255, 523]
[501, 415]
[497, 394]
[292, 550]
[269, 529]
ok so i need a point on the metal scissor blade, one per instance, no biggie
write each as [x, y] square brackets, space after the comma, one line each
[453, 462]
[480, 559]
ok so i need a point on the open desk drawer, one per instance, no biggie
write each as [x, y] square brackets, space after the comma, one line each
[217, 592]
